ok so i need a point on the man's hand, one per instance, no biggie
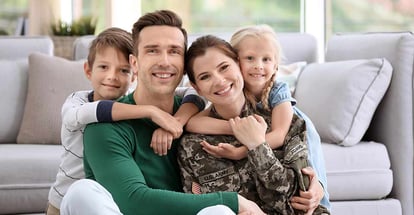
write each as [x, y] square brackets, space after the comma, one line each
[161, 141]
[309, 200]
[247, 207]
[225, 150]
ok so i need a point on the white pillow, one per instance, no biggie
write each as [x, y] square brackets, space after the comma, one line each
[51, 80]
[341, 97]
[289, 74]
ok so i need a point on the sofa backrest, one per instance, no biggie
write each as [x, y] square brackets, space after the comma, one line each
[15, 47]
[14, 54]
[392, 123]
[289, 42]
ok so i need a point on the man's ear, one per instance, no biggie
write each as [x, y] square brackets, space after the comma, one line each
[87, 70]
[133, 61]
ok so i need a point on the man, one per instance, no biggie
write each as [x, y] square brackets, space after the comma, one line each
[118, 155]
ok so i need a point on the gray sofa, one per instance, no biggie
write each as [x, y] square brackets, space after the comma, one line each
[372, 174]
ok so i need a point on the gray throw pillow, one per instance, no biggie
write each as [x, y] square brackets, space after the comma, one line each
[51, 80]
[341, 97]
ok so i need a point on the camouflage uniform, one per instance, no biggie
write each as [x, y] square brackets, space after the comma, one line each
[268, 177]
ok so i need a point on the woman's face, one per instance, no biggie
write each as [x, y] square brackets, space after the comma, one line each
[218, 77]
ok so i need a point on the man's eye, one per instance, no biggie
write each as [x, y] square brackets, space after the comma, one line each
[175, 51]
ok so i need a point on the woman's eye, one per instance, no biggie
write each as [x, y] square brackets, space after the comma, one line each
[204, 77]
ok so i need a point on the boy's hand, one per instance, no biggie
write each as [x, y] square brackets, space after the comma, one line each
[309, 200]
[225, 150]
[167, 122]
[161, 141]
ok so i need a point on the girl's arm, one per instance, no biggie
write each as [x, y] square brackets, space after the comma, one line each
[203, 124]
[281, 119]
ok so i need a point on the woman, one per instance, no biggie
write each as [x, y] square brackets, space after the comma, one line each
[263, 177]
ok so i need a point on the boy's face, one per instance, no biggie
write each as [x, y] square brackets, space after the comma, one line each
[160, 60]
[110, 74]
[257, 61]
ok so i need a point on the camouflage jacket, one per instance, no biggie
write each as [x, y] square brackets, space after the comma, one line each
[268, 177]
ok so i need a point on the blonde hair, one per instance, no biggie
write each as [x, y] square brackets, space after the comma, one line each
[259, 31]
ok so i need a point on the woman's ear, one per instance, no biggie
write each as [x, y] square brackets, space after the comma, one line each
[195, 87]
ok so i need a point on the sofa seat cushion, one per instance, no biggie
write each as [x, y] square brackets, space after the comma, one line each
[27, 172]
[379, 207]
[358, 172]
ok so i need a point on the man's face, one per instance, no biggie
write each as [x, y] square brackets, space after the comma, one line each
[160, 60]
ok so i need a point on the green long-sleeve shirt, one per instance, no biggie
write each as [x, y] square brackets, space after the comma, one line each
[119, 157]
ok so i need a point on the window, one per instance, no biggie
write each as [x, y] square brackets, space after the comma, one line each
[13, 14]
[228, 15]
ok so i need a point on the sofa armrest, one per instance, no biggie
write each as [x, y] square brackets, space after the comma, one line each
[15, 47]
[392, 123]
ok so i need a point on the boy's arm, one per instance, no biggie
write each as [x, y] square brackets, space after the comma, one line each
[191, 104]
[77, 111]
[122, 111]
[282, 115]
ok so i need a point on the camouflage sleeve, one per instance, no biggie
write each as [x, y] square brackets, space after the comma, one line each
[203, 173]
[183, 156]
[270, 171]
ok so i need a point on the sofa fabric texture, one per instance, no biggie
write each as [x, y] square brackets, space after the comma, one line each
[369, 162]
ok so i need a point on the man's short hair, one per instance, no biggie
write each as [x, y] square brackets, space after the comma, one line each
[159, 17]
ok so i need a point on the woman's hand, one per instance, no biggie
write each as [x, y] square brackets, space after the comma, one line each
[309, 200]
[250, 130]
[225, 150]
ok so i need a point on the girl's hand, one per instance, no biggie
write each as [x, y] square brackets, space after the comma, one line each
[161, 141]
[225, 150]
[250, 131]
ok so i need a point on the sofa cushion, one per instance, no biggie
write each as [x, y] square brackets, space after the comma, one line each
[289, 74]
[13, 88]
[51, 80]
[358, 172]
[27, 172]
[341, 97]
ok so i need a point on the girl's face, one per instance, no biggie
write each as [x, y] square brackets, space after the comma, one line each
[218, 77]
[257, 61]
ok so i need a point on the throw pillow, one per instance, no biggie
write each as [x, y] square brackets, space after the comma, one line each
[341, 97]
[13, 88]
[289, 74]
[51, 80]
